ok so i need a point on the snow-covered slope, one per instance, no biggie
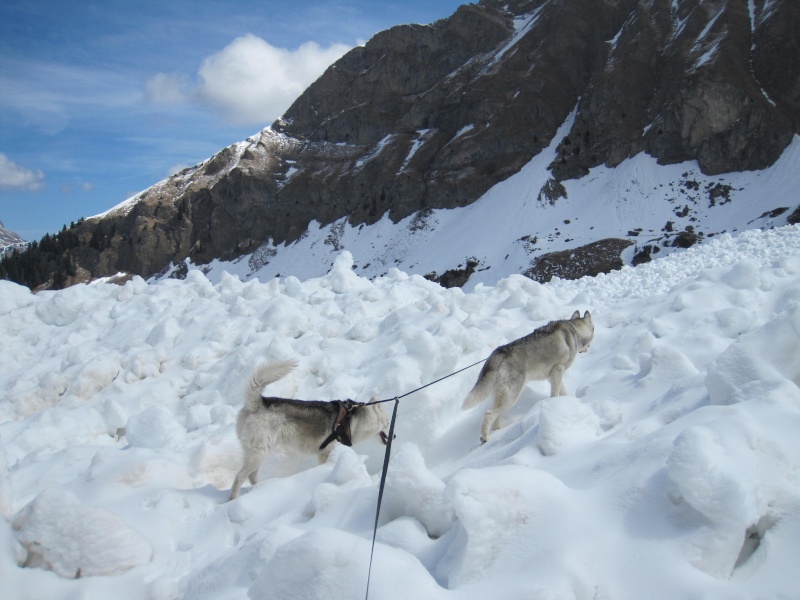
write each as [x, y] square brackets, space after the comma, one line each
[672, 472]
[512, 224]
[10, 240]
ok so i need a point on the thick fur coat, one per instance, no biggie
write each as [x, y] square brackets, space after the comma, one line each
[267, 423]
[544, 354]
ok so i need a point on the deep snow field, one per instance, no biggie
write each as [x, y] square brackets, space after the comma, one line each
[672, 472]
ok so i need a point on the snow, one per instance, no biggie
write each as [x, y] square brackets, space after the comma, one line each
[652, 203]
[374, 152]
[420, 139]
[522, 25]
[673, 471]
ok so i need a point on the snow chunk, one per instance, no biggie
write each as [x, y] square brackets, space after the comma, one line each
[75, 540]
[99, 372]
[66, 306]
[726, 471]
[498, 509]
[341, 277]
[154, 427]
[13, 297]
[744, 275]
[165, 333]
[420, 490]
[762, 364]
[708, 477]
[330, 564]
[566, 422]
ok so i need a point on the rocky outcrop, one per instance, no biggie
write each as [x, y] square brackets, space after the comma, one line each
[432, 116]
[592, 259]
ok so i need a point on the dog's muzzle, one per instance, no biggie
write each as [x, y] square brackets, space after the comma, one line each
[385, 438]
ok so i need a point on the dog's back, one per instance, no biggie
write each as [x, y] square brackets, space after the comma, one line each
[261, 377]
[544, 354]
[554, 344]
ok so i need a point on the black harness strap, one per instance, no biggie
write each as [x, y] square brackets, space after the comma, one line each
[341, 427]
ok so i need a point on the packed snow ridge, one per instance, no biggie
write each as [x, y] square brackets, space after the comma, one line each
[672, 472]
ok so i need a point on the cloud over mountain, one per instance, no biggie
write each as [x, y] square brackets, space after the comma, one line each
[250, 81]
[15, 176]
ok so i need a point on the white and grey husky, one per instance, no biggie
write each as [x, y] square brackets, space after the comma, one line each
[544, 354]
[305, 426]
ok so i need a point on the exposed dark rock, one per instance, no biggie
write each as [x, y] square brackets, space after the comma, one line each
[645, 254]
[432, 116]
[455, 277]
[685, 239]
[592, 259]
[774, 213]
[552, 191]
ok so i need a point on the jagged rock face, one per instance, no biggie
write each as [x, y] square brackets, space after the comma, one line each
[433, 116]
[687, 80]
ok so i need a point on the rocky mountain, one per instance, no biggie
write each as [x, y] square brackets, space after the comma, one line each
[9, 240]
[425, 118]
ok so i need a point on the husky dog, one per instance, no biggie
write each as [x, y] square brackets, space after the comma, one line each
[305, 426]
[544, 354]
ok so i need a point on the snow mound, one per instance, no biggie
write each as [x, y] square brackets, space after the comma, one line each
[75, 540]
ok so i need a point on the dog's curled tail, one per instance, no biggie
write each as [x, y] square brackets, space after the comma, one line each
[483, 386]
[263, 375]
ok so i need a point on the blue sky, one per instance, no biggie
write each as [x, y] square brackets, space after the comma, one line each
[101, 99]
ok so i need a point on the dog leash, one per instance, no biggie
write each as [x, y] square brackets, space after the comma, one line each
[388, 452]
[381, 486]
[427, 384]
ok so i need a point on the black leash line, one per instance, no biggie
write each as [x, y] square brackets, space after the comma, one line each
[380, 489]
[427, 384]
[387, 454]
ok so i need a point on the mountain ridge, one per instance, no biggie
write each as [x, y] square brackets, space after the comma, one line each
[431, 117]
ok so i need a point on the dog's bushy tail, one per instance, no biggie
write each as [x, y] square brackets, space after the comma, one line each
[263, 375]
[483, 386]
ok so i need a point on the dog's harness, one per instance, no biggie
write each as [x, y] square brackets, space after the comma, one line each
[341, 427]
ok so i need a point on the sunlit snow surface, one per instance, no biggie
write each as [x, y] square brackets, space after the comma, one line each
[672, 472]
[512, 223]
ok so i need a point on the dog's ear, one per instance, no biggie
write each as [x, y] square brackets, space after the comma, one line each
[576, 315]
[587, 315]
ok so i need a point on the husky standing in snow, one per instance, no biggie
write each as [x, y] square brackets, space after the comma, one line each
[544, 354]
[305, 426]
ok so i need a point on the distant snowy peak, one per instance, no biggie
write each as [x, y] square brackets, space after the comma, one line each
[425, 119]
[10, 240]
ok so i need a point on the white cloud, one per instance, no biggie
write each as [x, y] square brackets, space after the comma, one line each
[168, 88]
[249, 81]
[14, 176]
[253, 82]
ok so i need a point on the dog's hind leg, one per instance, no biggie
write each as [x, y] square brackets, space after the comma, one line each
[505, 396]
[490, 418]
[237, 485]
[252, 461]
